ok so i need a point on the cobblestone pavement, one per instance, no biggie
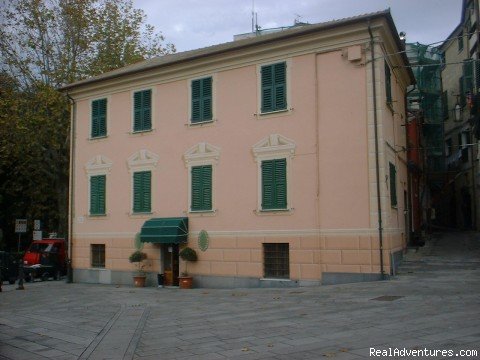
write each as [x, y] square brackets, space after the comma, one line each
[433, 302]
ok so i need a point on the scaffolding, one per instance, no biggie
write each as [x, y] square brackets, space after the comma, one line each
[426, 97]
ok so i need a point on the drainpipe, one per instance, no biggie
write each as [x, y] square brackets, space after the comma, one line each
[73, 110]
[377, 165]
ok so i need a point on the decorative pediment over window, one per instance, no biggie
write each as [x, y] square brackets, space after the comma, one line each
[142, 160]
[202, 153]
[274, 145]
[98, 165]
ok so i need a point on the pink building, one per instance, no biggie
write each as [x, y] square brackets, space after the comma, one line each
[283, 148]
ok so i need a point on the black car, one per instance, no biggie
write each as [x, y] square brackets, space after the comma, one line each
[8, 267]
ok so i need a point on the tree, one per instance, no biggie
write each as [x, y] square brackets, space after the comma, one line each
[45, 44]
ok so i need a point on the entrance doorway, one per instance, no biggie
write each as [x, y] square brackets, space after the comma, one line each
[170, 264]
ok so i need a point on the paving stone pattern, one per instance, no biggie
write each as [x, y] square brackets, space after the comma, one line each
[433, 302]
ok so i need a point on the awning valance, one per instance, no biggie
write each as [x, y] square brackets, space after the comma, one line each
[165, 230]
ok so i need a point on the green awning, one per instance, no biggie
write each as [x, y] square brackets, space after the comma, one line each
[165, 230]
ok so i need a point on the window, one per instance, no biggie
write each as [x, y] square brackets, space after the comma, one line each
[276, 261]
[201, 188]
[448, 147]
[445, 105]
[142, 191]
[274, 87]
[274, 184]
[460, 41]
[98, 255]
[202, 100]
[99, 118]
[461, 86]
[388, 84]
[97, 194]
[468, 75]
[393, 185]
[142, 110]
[463, 141]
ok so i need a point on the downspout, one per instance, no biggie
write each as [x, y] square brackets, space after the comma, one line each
[377, 165]
[73, 109]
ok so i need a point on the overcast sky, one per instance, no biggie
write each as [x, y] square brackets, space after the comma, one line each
[192, 24]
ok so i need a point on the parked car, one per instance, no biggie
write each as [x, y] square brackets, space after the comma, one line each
[9, 267]
[45, 258]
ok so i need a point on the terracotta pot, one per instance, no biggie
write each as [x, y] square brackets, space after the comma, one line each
[139, 280]
[185, 282]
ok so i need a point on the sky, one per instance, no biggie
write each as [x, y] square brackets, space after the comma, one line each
[192, 24]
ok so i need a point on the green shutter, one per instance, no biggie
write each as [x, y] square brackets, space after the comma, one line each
[280, 86]
[201, 188]
[142, 110]
[142, 191]
[202, 100]
[468, 75]
[274, 184]
[388, 84]
[99, 118]
[274, 87]
[97, 195]
[393, 185]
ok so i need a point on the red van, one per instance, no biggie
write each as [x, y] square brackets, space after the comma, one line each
[47, 253]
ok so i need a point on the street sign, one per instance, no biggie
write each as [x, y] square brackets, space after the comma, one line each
[37, 235]
[36, 224]
[20, 226]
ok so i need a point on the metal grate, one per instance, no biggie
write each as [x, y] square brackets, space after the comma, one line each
[98, 255]
[276, 260]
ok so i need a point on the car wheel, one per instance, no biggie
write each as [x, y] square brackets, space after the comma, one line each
[11, 281]
[45, 276]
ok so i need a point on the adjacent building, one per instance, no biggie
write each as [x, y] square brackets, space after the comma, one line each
[461, 81]
[285, 152]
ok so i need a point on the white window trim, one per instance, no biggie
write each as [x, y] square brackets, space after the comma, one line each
[143, 160]
[200, 155]
[99, 165]
[288, 78]
[107, 120]
[274, 147]
[132, 109]
[214, 102]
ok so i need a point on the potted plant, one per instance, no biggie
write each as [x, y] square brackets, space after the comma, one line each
[185, 280]
[138, 259]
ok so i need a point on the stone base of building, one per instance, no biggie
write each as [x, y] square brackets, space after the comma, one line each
[106, 276]
[334, 278]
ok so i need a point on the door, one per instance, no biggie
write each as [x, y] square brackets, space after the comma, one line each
[170, 264]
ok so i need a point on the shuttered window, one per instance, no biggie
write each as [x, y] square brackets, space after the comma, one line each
[201, 188]
[142, 110]
[274, 87]
[393, 185]
[274, 184]
[388, 84]
[202, 100]
[468, 76]
[97, 195]
[99, 118]
[142, 191]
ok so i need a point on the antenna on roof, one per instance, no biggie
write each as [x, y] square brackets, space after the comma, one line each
[255, 27]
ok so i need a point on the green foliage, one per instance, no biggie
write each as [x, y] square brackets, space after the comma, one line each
[45, 44]
[188, 254]
[137, 256]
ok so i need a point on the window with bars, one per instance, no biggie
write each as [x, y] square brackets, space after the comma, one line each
[274, 184]
[97, 255]
[97, 194]
[142, 186]
[393, 185]
[142, 110]
[274, 87]
[201, 188]
[99, 118]
[202, 100]
[276, 260]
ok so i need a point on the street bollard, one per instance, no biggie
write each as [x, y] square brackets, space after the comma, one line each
[20, 276]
